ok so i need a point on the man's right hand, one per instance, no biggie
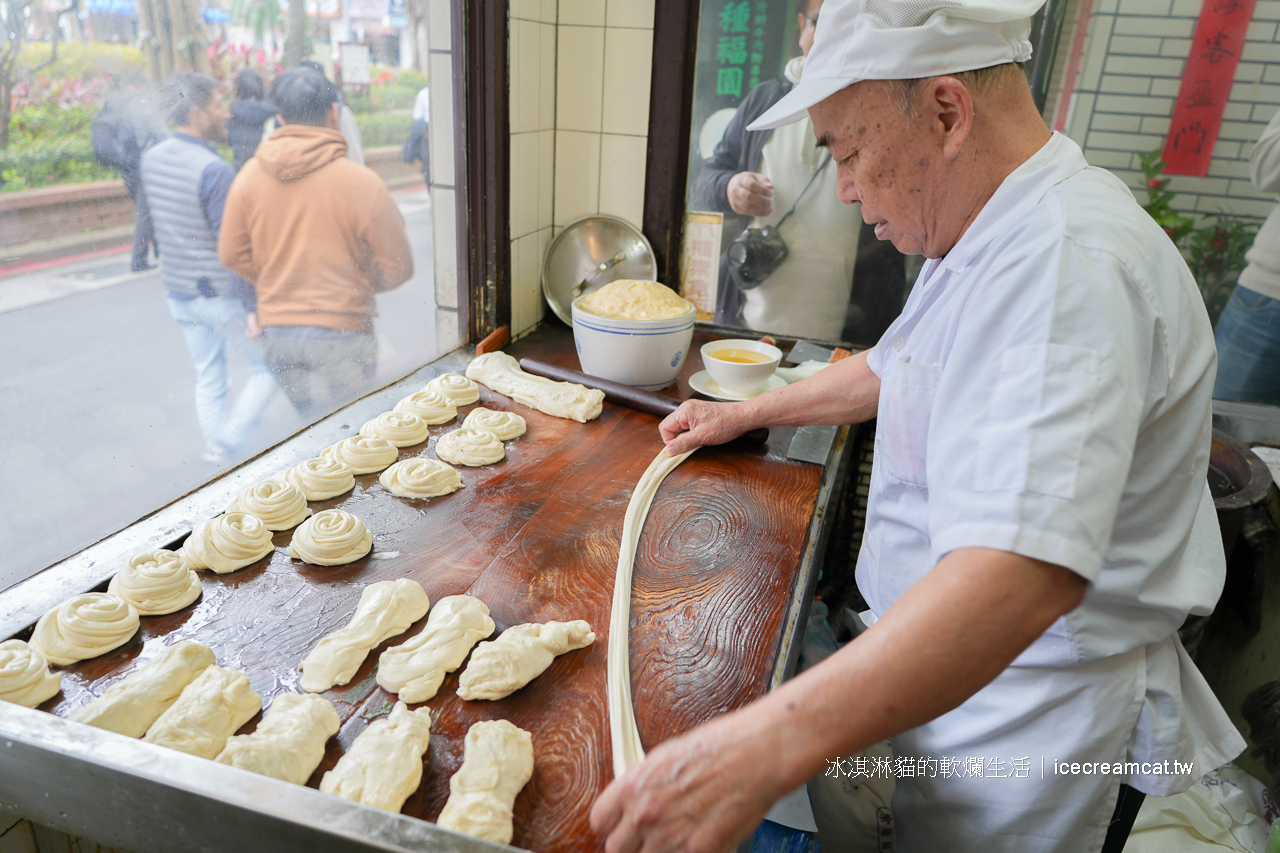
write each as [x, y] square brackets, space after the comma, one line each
[751, 194]
[698, 423]
[252, 330]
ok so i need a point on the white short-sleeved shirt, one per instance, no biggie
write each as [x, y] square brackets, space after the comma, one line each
[1047, 391]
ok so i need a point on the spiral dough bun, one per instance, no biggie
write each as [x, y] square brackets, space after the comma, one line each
[400, 428]
[472, 447]
[421, 478]
[321, 478]
[24, 675]
[226, 543]
[84, 627]
[432, 406]
[156, 582]
[456, 387]
[331, 538]
[279, 504]
[505, 425]
[363, 454]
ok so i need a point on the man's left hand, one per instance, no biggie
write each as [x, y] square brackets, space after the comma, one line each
[251, 328]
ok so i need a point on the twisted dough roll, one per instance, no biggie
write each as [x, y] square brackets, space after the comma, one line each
[331, 538]
[278, 503]
[384, 765]
[226, 543]
[386, 608]
[415, 668]
[420, 478]
[289, 742]
[206, 713]
[24, 675]
[521, 653]
[156, 582]
[461, 390]
[472, 447]
[321, 478]
[132, 704]
[400, 428]
[505, 425]
[363, 454]
[84, 627]
[496, 764]
[432, 406]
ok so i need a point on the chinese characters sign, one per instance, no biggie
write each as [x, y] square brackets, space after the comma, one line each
[1206, 83]
[700, 262]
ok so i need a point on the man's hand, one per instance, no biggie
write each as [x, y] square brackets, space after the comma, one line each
[697, 424]
[251, 328]
[751, 194]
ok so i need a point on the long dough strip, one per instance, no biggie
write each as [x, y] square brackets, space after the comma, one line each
[415, 668]
[496, 763]
[289, 742]
[386, 608]
[627, 749]
[132, 704]
[500, 372]
[208, 711]
[384, 765]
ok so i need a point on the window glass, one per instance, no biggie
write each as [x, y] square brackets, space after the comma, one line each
[204, 250]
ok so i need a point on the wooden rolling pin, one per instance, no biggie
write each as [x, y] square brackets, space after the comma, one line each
[623, 395]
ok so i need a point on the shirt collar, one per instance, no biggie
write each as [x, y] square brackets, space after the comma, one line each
[197, 140]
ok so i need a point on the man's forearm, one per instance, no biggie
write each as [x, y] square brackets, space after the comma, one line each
[847, 392]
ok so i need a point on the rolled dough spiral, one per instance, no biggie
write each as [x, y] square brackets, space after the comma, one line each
[472, 447]
[24, 675]
[400, 428]
[321, 478]
[278, 503]
[156, 582]
[364, 454]
[456, 387]
[421, 478]
[432, 406]
[331, 538]
[84, 627]
[226, 543]
[505, 425]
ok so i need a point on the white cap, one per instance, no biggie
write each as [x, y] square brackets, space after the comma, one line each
[903, 40]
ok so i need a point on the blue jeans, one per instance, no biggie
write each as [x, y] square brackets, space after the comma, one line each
[211, 327]
[1248, 339]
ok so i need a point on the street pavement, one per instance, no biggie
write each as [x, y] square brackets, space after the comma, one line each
[97, 412]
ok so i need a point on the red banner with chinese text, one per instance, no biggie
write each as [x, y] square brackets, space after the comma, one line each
[1206, 83]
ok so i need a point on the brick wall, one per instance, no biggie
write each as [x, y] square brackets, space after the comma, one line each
[1129, 78]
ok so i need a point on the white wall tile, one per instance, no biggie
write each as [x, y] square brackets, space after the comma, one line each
[1095, 55]
[445, 247]
[628, 61]
[1175, 47]
[518, 321]
[586, 13]
[1111, 121]
[577, 180]
[550, 11]
[526, 80]
[1134, 105]
[1123, 84]
[525, 162]
[622, 171]
[547, 77]
[1143, 26]
[579, 77]
[525, 10]
[546, 177]
[439, 25]
[526, 294]
[1081, 110]
[448, 335]
[1144, 65]
[629, 13]
[1143, 46]
[442, 124]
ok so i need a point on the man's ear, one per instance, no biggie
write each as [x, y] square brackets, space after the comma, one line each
[948, 105]
[280, 120]
[333, 116]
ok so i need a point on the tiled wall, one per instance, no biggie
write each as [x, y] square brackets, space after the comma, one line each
[579, 77]
[1129, 78]
[444, 218]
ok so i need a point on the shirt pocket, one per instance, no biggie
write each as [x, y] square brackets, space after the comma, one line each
[903, 423]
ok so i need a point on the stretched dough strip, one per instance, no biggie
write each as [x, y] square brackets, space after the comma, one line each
[627, 749]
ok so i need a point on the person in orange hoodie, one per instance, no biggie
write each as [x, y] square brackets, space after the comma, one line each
[318, 236]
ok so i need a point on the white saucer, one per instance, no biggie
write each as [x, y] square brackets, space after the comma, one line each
[704, 384]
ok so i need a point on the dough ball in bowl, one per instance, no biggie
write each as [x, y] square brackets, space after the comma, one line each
[156, 582]
[400, 428]
[278, 503]
[363, 454]
[331, 538]
[420, 478]
[226, 543]
[84, 627]
[458, 388]
[471, 447]
[432, 406]
[505, 425]
[321, 478]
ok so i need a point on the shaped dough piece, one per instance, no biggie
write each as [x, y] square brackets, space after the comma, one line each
[500, 372]
[386, 608]
[519, 655]
[415, 668]
[627, 749]
[132, 704]
[462, 390]
[505, 425]
[432, 406]
[84, 627]
[156, 582]
[289, 742]
[400, 428]
[226, 543]
[331, 538]
[279, 504]
[496, 764]
[321, 478]
[208, 711]
[363, 454]
[384, 766]
[25, 678]
[472, 447]
[421, 478]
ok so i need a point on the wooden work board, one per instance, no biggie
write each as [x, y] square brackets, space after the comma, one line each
[535, 537]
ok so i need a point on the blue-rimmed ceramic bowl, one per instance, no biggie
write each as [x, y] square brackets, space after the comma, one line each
[641, 353]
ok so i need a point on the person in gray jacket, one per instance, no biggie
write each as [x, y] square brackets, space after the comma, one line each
[1248, 333]
[187, 182]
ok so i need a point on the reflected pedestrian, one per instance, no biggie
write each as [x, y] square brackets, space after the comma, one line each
[418, 146]
[249, 117]
[346, 117]
[128, 125]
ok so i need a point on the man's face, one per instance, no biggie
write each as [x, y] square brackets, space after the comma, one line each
[215, 116]
[884, 161]
[809, 25]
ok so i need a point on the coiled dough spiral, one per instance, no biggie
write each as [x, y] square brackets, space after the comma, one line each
[156, 582]
[432, 406]
[505, 425]
[226, 543]
[25, 678]
[278, 503]
[321, 478]
[363, 454]
[470, 447]
[456, 387]
[331, 538]
[421, 478]
[84, 627]
[400, 428]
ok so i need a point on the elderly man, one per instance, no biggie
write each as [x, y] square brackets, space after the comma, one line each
[1039, 524]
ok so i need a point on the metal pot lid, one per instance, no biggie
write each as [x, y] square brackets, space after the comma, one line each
[584, 244]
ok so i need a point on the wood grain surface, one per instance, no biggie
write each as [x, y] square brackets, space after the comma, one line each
[536, 538]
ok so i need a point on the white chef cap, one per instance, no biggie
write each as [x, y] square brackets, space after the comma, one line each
[903, 40]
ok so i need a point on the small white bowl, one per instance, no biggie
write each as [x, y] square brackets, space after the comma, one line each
[738, 378]
[641, 353]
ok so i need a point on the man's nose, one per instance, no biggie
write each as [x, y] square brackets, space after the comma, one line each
[847, 190]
